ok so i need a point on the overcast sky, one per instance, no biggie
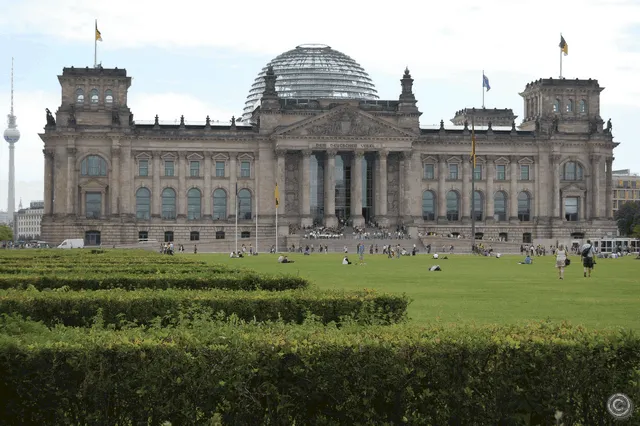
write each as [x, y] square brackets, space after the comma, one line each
[200, 58]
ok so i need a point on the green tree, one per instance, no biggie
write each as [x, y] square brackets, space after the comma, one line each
[636, 231]
[627, 217]
[6, 233]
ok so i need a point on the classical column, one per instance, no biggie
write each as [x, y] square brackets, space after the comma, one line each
[305, 186]
[281, 172]
[115, 179]
[356, 188]
[408, 187]
[381, 210]
[555, 192]
[490, 170]
[127, 191]
[513, 189]
[183, 170]
[233, 182]
[60, 181]
[466, 190]
[207, 196]
[442, 197]
[330, 219]
[48, 181]
[72, 189]
[156, 192]
[609, 186]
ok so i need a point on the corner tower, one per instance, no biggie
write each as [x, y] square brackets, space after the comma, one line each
[94, 97]
[567, 106]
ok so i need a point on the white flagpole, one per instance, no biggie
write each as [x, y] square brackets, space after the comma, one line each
[277, 208]
[255, 250]
[561, 56]
[237, 202]
[482, 88]
[95, 45]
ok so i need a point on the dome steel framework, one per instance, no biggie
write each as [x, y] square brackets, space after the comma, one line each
[313, 71]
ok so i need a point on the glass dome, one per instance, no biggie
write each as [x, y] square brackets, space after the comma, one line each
[313, 71]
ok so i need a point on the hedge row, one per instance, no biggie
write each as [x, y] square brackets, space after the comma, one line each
[240, 281]
[120, 307]
[142, 269]
[277, 374]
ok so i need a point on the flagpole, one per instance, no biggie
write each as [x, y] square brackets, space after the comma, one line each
[560, 58]
[277, 208]
[473, 184]
[95, 46]
[256, 249]
[237, 203]
[482, 90]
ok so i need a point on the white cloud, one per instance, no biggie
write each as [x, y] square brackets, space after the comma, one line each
[437, 39]
[170, 106]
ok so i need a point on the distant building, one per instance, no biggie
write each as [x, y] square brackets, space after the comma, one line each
[27, 221]
[4, 218]
[626, 187]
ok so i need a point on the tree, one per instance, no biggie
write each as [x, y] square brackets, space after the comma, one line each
[636, 231]
[628, 217]
[6, 233]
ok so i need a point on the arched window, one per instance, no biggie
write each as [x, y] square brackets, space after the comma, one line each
[194, 204]
[478, 205]
[79, 96]
[143, 204]
[93, 95]
[168, 204]
[500, 206]
[453, 205]
[428, 205]
[108, 96]
[572, 171]
[244, 200]
[556, 105]
[583, 106]
[524, 207]
[93, 165]
[219, 204]
[570, 106]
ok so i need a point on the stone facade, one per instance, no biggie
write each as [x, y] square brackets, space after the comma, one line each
[114, 181]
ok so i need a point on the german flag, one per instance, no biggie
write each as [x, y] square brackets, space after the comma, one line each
[564, 47]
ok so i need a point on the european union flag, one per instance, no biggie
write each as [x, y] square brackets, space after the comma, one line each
[485, 82]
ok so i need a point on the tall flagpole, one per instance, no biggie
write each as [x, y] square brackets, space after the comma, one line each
[255, 250]
[561, 57]
[473, 184]
[237, 203]
[277, 208]
[482, 91]
[95, 45]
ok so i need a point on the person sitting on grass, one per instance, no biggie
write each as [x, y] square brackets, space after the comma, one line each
[527, 261]
[284, 259]
[346, 261]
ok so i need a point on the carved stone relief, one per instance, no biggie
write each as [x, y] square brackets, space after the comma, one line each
[393, 184]
[348, 123]
[292, 183]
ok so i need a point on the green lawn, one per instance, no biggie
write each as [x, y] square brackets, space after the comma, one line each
[479, 289]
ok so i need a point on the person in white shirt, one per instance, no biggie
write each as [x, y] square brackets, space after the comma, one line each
[587, 253]
[561, 260]
[280, 259]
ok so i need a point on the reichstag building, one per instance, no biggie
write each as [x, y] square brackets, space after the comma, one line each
[313, 124]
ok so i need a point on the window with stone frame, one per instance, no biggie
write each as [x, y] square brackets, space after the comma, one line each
[194, 169]
[220, 169]
[194, 236]
[501, 172]
[453, 171]
[572, 171]
[93, 205]
[93, 165]
[571, 209]
[245, 169]
[428, 171]
[143, 167]
[169, 166]
[143, 235]
[524, 171]
[477, 172]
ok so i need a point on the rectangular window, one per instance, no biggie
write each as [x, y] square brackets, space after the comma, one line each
[429, 172]
[143, 168]
[501, 172]
[524, 172]
[143, 235]
[571, 209]
[245, 169]
[93, 205]
[168, 168]
[220, 169]
[194, 236]
[194, 169]
[477, 172]
[453, 171]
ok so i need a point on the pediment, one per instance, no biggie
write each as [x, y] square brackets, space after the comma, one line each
[502, 160]
[194, 156]
[170, 156]
[245, 156]
[525, 160]
[93, 184]
[573, 189]
[454, 160]
[220, 157]
[344, 121]
[143, 156]
[429, 159]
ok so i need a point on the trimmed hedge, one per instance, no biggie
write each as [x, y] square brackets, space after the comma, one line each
[277, 374]
[243, 281]
[119, 307]
[128, 269]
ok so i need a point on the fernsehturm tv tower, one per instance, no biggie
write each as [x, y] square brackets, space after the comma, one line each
[11, 135]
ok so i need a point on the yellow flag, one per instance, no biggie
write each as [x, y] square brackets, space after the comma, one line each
[564, 47]
[473, 145]
[277, 195]
[98, 34]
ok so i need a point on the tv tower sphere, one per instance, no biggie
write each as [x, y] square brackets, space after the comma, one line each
[12, 135]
